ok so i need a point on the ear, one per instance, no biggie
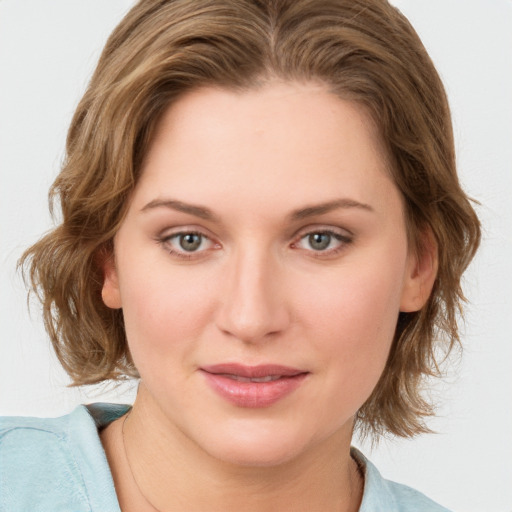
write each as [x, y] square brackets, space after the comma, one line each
[110, 292]
[420, 274]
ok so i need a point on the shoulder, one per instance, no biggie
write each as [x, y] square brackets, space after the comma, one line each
[406, 497]
[46, 461]
[381, 495]
[38, 467]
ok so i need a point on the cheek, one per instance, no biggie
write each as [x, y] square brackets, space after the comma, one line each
[352, 317]
[164, 312]
[352, 327]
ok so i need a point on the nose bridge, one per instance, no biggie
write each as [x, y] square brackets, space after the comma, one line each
[252, 306]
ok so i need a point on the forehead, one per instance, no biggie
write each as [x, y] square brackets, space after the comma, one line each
[278, 113]
[265, 143]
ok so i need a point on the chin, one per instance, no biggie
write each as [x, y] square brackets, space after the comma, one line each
[256, 456]
[259, 446]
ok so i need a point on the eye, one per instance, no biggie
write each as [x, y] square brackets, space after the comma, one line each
[186, 244]
[323, 241]
[319, 241]
[190, 242]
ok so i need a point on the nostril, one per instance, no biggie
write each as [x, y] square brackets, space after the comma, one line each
[252, 325]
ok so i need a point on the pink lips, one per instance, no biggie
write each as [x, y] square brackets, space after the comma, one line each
[253, 386]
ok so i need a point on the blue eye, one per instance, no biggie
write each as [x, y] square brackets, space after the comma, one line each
[186, 243]
[319, 241]
[189, 242]
[328, 242]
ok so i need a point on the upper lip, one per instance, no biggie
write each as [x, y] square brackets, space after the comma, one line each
[262, 370]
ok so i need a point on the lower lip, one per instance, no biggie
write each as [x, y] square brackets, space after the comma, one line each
[253, 394]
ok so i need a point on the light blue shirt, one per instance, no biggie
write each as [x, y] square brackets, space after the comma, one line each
[58, 465]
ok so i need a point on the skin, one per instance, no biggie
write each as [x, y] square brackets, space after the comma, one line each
[257, 291]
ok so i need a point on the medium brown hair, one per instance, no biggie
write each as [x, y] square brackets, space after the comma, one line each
[364, 51]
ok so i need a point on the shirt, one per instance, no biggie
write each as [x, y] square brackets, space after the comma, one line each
[59, 465]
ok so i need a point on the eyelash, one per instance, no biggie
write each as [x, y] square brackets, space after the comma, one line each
[165, 241]
[342, 239]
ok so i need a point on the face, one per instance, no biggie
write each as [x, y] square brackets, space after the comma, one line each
[261, 269]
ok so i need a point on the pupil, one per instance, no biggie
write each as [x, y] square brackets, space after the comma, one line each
[319, 241]
[190, 242]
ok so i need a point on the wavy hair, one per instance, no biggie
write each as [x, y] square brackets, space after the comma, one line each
[364, 51]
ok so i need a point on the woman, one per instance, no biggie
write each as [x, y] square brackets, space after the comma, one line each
[262, 220]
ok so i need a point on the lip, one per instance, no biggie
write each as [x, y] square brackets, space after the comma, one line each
[231, 382]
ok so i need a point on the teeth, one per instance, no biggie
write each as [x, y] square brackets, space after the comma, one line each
[267, 378]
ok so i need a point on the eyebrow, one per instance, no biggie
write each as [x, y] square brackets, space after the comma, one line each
[323, 208]
[302, 213]
[198, 211]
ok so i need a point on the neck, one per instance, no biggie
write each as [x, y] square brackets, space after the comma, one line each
[163, 467]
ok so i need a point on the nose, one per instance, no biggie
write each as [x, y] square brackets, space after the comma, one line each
[252, 300]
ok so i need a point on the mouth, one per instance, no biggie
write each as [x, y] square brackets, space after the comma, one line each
[253, 386]
[239, 378]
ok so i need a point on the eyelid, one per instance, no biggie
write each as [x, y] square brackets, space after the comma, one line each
[166, 235]
[184, 229]
[343, 236]
[322, 228]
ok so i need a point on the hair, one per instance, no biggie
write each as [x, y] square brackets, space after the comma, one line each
[364, 51]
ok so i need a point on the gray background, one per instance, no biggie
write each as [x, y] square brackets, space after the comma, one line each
[48, 50]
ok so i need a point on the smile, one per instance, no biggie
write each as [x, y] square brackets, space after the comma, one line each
[253, 386]
[239, 378]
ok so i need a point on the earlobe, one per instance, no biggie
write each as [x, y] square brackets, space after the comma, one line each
[420, 274]
[110, 292]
